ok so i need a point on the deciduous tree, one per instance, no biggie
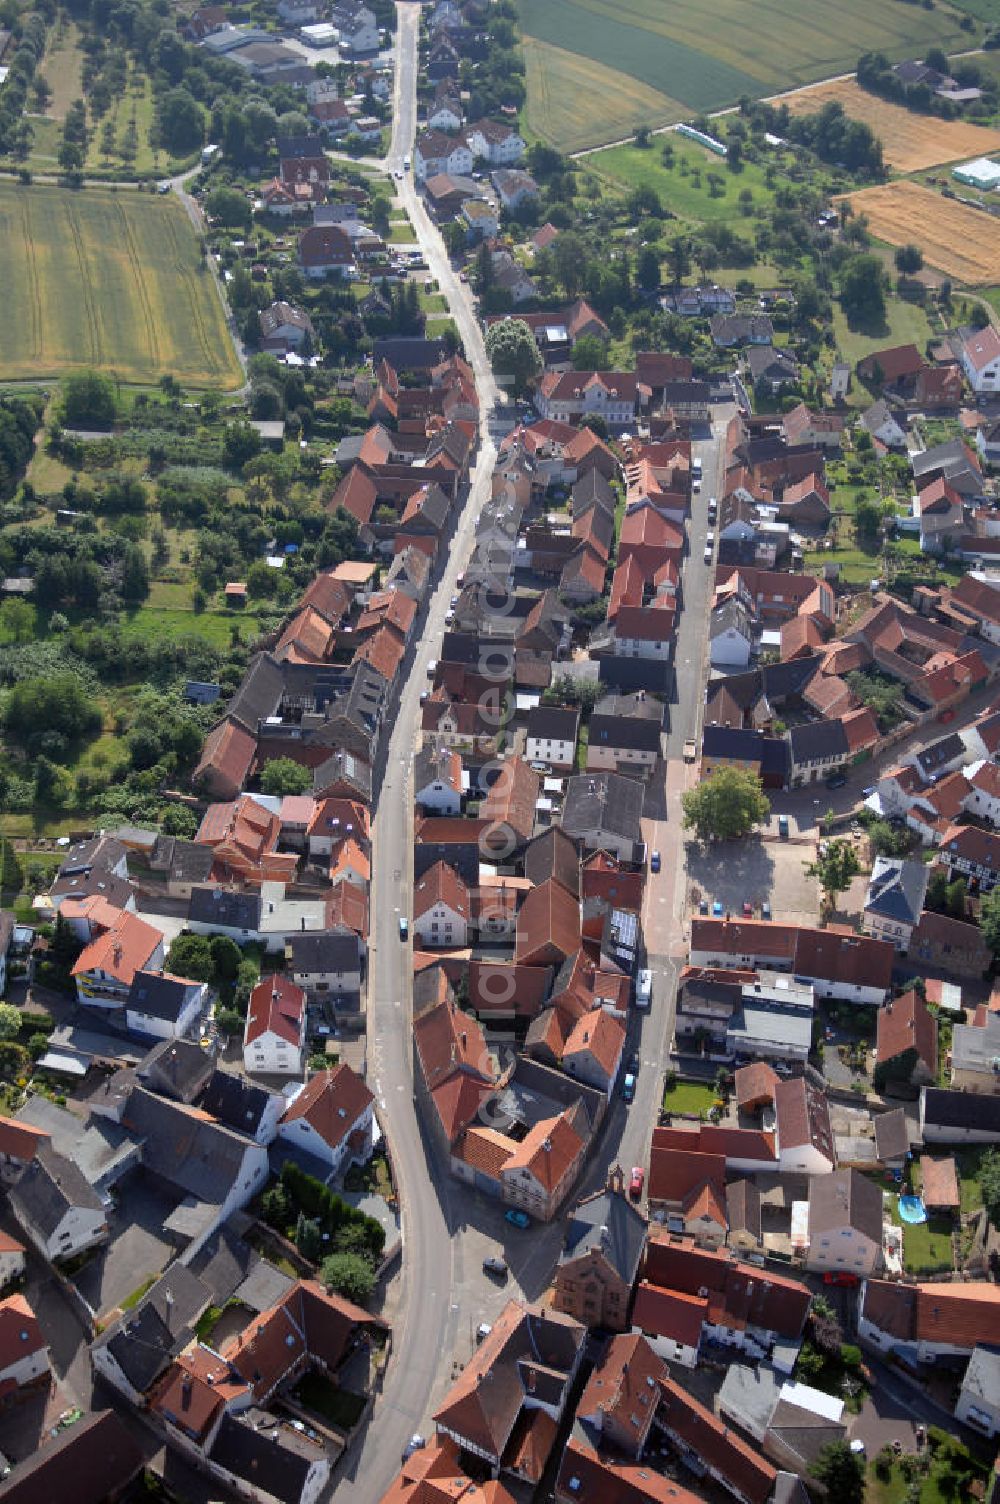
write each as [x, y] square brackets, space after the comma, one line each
[727, 804]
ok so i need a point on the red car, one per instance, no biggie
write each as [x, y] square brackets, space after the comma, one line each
[747, 909]
[833, 1277]
[637, 1182]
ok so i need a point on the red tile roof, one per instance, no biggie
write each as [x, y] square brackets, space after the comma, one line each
[742, 1467]
[548, 925]
[20, 1333]
[906, 1023]
[228, 754]
[669, 1313]
[939, 1182]
[276, 1006]
[332, 1102]
[624, 1388]
[121, 951]
[20, 1140]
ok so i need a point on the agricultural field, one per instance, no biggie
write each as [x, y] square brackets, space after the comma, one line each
[694, 60]
[112, 280]
[574, 100]
[910, 141]
[963, 243]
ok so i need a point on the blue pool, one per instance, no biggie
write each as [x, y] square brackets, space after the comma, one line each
[912, 1209]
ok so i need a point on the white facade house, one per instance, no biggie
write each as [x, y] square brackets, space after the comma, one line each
[274, 1040]
[551, 736]
[24, 1357]
[978, 1402]
[436, 152]
[58, 1209]
[11, 1259]
[164, 1006]
[332, 1119]
[980, 357]
[845, 1224]
[439, 782]
[441, 908]
[446, 116]
[496, 143]
[730, 636]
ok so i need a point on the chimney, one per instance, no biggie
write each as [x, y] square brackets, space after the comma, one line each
[529, 1380]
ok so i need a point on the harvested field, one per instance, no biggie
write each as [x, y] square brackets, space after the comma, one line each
[112, 280]
[962, 242]
[910, 142]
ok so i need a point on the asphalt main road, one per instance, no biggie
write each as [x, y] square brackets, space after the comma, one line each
[432, 1324]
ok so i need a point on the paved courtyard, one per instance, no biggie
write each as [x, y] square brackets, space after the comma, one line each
[137, 1249]
[731, 872]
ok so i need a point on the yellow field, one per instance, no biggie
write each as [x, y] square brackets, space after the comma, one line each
[963, 243]
[910, 142]
[574, 100]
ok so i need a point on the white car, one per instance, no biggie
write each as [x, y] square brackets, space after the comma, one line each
[708, 555]
[643, 989]
[415, 1443]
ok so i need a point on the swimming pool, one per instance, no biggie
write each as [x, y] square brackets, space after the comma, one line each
[912, 1209]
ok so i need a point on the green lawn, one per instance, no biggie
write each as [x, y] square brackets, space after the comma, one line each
[689, 1096]
[907, 323]
[927, 1247]
[684, 188]
[148, 624]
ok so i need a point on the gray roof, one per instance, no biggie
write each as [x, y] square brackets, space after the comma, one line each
[94, 881]
[756, 1022]
[977, 1049]
[94, 1146]
[98, 852]
[159, 995]
[892, 1137]
[774, 365]
[235, 1101]
[223, 1263]
[554, 722]
[804, 1432]
[818, 739]
[183, 861]
[750, 1393]
[592, 490]
[939, 753]
[845, 1198]
[344, 766]
[197, 1156]
[941, 1108]
[221, 908]
[144, 1340]
[732, 742]
[731, 615]
[896, 889]
[259, 695]
[92, 1461]
[176, 1068]
[338, 949]
[603, 801]
[982, 1377]
[406, 353]
[267, 1455]
[610, 1222]
[48, 1189]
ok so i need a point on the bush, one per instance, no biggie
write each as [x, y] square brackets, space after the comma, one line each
[349, 1275]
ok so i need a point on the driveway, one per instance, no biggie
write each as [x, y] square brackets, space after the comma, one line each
[137, 1247]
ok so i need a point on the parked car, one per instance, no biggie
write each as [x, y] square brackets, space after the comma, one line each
[483, 1331]
[495, 1265]
[654, 862]
[636, 1182]
[747, 909]
[765, 910]
[836, 780]
[783, 827]
[628, 1091]
[840, 1277]
[690, 750]
[414, 1444]
[404, 927]
[717, 909]
[708, 556]
[643, 989]
[703, 906]
[633, 1062]
[517, 1218]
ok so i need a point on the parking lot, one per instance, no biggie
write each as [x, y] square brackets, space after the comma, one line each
[754, 871]
[137, 1248]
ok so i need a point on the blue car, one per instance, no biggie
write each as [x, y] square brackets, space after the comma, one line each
[517, 1218]
[716, 910]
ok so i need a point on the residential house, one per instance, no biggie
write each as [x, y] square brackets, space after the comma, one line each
[24, 1356]
[880, 421]
[325, 250]
[941, 514]
[597, 1268]
[958, 1117]
[688, 1189]
[165, 1006]
[625, 734]
[845, 1224]
[122, 944]
[924, 1322]
[435, 152]
[283, 328]
[988, 441]
[327, 963]
[980, 358]
[896, 368]
[950, 944]
[842, 965]
[603, 811]
[975, 1054]
[895, 900]
[571, 396]
[622, 1395]
[93, 1461]
[12, 1261]
[439, 781]
[526, 1364]
[771, 368]
[441, 908]
[494, 141]
[274, 1039]
[551, 735]
[58, 1208]
[708, 1447]
[331, 1119]
[804, 1131]
[972, 853]
[514, 187]
[978, 1403]
[731, 635]
[906, 1050]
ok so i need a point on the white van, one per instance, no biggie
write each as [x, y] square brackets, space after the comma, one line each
[643, 989]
